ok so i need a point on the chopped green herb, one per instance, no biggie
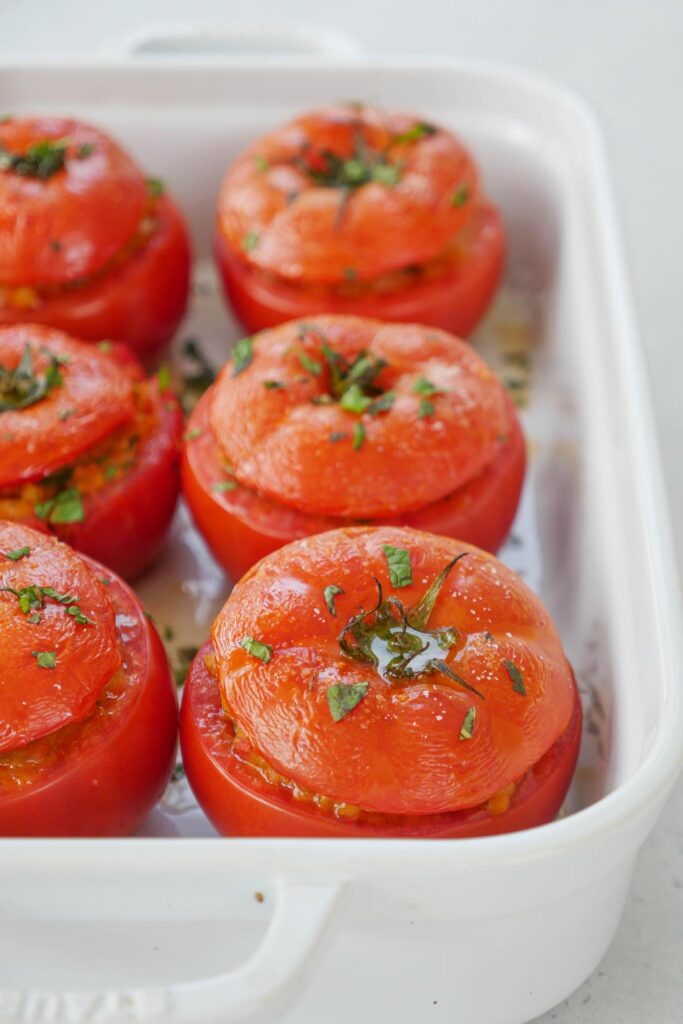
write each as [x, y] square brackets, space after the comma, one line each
[309, 364]
[65, 414]
[110, 472]
[467, 727]
[155, 187]
[85, 150]
[79, 617]
[400, 570]
[105, 581]
[426, 409]
[273, 385]
[224, 485]
[193, 434]
[422, 386]
[516, 677]
[386, 174]
[254, 647]
[65, 507]
[419, 131]
[35, 619]
[164, 378]
[353, 400]
[329, 593]
[460, 196]
[242, 355]
[336, 435]
[344, 697]
[45, 659]
[18, 553]
[261, 163]
[358, 435]
[20, 387]
[381, 404]
[41, 160]
[250, 240]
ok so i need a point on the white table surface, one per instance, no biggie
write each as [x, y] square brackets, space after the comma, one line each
[626, 58]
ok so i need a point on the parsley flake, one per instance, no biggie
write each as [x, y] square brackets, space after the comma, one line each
[400, 570]
[309, 364]
[516, 677]
[467, 728]
[329, 593]
[344, 697]
[250, 241]
[155, 187]
[65, 507]
[258, 650]
[45, 659]
[460, 196]
[358, 435]
[426, 409]
[242, 355]
[18, 553]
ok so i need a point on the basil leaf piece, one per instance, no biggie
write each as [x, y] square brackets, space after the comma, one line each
[467, 727]
[254, 647]
[400, 569]
[358, 435]
[224, 485]
[250, 240]
[329, 593]
[155, 187]
[422, 386]
[309, 364]
[460, 196]
[516, 677]
[353, 400]
[426, 409]
[164, 378]
[67, 507]
[45, 659]
[344, 697]
[242, 355]
[18, 553]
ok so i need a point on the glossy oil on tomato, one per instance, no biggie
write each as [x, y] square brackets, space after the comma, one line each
[87, 744]
[101, 429]
[265, 755]
[354, 210]
[88, 248]
[457, 470]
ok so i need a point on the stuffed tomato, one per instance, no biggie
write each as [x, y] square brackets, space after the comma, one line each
[88, 714]
[351, 209]
[380, 682]
[323, 423]
[88, 244]
[89, 448]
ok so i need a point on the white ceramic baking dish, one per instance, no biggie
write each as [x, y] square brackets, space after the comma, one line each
[180, 926]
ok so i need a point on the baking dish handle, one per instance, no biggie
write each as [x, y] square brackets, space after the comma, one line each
[301, 913]
[247, 39]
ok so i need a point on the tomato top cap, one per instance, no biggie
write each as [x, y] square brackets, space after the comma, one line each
[58, 397]
[347, 416]
[57, 636]
[70, 199]
[347, 189]
[392, 670]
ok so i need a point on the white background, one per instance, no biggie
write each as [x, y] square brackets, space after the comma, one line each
[626, 58]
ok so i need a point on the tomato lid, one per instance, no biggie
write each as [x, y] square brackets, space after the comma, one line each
[392, 670]
[345, 191]
[57, 635]
[70, 199]
[352, 417]
[58, 397]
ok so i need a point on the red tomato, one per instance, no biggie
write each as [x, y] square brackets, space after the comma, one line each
[85, 246]
[87, 702]
[93, 456]
[354, 210]
[458, 470]
[289, 728]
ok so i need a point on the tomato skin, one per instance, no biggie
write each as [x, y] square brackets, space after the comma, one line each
[140, 302]
[239, 802]
[108, 789]
[454, 302]
[126, 522]
[240, 532]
